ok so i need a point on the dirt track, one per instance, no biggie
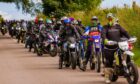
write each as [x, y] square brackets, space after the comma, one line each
[18, 66]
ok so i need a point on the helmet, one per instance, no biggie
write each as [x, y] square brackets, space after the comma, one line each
[48, 21]
[117, 19]
[94, 18]
[79, 20]
[41, 19]
[67, 21]
[59, 22]
[75, 22]
[72, 19]
[63, 18]
[110, 15]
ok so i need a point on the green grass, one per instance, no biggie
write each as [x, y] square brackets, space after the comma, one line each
[137, 56]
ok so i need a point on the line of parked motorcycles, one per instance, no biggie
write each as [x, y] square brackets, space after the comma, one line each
[76, 52]
[32, 40]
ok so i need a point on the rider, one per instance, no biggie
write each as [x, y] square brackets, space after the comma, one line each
[42, 29]
[62, 19]
[58, 25]
[45, 29]
[65, 33]
[78, 27]
[111, 32]
[49, 25]
[24, 25]
[94, 28]
[80, 24]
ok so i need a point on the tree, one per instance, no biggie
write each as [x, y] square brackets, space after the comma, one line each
[62, 7]
[55, 7]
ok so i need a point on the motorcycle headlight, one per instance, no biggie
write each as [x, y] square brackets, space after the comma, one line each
[37, 36]
[51, 41]
[96, 40]
[72, 46]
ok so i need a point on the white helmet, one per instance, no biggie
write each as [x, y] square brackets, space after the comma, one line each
[41, 19]
[110, 15]
[94, 18]
[117, 19]
[63, 18]
[75, 22]
[59, 22]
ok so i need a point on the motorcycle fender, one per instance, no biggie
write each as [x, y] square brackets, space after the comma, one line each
[52, 45]
[130, 53]
[97, 45]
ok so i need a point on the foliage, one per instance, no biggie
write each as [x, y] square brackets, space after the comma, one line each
[61, 7]
[54, 7]
[28, 6]
[137, 56]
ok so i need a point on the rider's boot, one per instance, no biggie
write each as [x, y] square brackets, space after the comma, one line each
[60, 61]
[103, 72]
[84, 65]
[107, 74]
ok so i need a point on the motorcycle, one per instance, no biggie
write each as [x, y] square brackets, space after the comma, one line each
[21, 35]
[81, 54]
[49, 45]
[3, 30]
[12, 32]
[123, 64]
[96, 47]
[70, 55]
[17, 32]
[54, 44]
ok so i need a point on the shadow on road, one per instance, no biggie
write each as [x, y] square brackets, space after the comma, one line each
[4, 37]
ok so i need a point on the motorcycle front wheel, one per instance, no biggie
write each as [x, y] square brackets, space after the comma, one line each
[133, 74]
[53, 52]
[92, 64]
[98, 62]
[113, 77]
[73, 60]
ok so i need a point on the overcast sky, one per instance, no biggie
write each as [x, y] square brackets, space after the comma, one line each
[9, 10]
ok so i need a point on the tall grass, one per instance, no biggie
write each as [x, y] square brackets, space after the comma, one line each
[128, 18]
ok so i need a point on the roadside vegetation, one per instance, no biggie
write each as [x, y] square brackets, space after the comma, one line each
[128, 17]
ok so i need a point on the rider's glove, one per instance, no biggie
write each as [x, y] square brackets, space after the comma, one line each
[107, 42]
